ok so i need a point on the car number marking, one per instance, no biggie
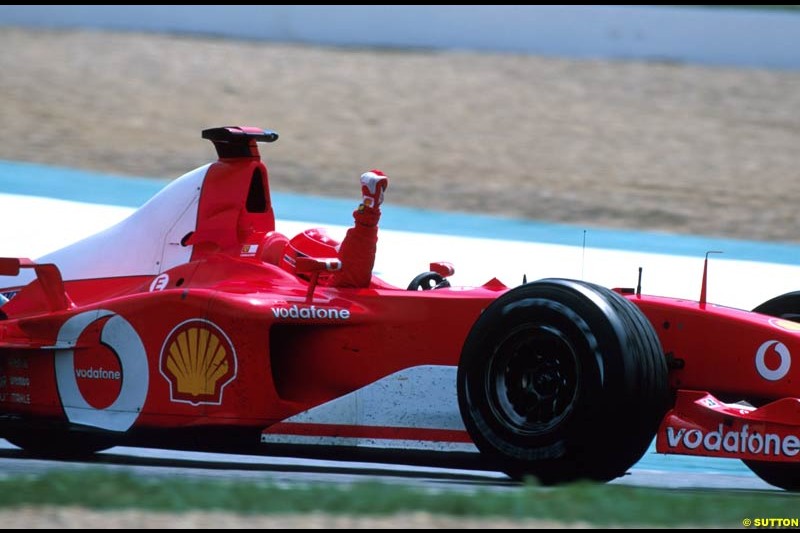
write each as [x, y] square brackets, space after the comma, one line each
[160, 282]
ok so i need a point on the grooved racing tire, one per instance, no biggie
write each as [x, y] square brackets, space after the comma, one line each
[562, 380]
[783, 475]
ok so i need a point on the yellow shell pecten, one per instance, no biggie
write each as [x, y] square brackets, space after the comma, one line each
[197, 360]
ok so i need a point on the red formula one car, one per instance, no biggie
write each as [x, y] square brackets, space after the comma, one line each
[178, 328]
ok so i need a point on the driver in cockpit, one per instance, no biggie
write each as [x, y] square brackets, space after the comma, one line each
[357, 251]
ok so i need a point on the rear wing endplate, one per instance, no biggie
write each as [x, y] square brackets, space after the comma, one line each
[50, 280]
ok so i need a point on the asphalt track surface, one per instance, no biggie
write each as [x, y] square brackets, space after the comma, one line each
[295, 472]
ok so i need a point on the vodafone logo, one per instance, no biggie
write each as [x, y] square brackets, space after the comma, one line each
[98, 373]
[771, 349]
[733, 442]
[311, 313]
[97, 367]
[104, 384]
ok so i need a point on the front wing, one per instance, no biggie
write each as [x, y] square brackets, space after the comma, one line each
[700, 424]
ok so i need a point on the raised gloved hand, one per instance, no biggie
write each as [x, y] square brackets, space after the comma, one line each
[373, 185]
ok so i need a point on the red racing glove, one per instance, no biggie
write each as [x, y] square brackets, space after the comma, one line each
[373, 185]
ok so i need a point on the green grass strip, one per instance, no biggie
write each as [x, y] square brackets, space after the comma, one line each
[592, 503]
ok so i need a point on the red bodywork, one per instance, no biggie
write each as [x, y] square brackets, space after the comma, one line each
[716, 355]
[226, 346]
[226, 339]
[286, 354]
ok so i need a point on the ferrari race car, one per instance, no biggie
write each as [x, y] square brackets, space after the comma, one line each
[180, 328]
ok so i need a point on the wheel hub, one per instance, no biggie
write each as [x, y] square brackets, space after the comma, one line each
[533, 380]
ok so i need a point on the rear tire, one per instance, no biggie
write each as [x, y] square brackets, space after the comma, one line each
[562, 380]
[783, 475]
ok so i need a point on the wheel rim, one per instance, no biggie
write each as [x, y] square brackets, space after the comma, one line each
[532, 382]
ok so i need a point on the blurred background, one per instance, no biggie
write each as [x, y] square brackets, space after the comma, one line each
[678, 119]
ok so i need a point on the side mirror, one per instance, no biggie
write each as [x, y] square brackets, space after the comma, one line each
[313, 267]
[309, 265]
[443, 268]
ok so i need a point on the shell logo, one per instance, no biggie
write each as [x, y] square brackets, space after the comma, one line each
[198, 360]
[785, 324]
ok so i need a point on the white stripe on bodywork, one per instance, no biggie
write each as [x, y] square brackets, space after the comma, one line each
[381, 444]
[421, 397]
[416, 397]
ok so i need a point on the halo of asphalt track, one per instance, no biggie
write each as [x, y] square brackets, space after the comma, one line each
[653, 470]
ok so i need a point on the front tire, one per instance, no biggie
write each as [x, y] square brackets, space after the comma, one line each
[562, 380]
[783, 475]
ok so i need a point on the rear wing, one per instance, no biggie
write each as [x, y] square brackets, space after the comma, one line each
[50, 283]
[238, 141]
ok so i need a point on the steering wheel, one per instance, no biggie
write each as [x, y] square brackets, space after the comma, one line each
[428, 281]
